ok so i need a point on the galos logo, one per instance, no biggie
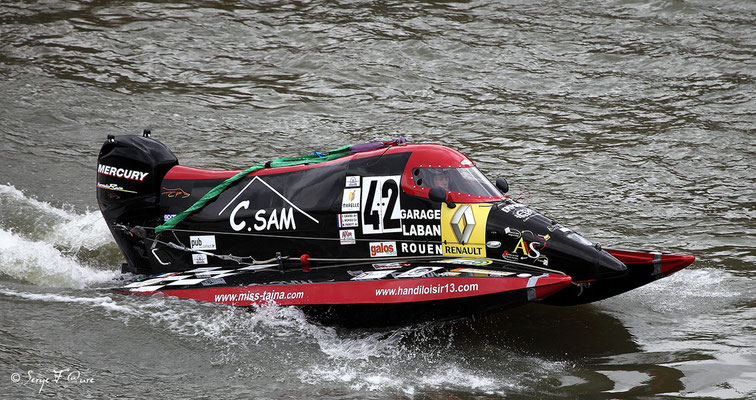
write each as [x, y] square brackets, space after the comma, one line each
[382, 249]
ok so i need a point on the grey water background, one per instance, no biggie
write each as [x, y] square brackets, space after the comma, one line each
[632, 122]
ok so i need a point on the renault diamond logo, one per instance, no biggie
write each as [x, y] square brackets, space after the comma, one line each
[462, 223]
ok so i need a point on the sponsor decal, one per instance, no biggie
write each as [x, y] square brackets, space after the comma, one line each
[381, 208]
[295, 282]
[463, 229]
[428, 227]
[206, 242]
[417, 272]
[390, 266]
[512, 232]
[213, 281]
[421, 230]
[133, 175]
[166, 217]
[526, 249]
[523, 213]
[465, 261]
[558, 227]
[351, 200]
[519, 211]
[347, 236]
[350, 220]
[482, 272]
[199, 259]
[428, 289]
[265, 219]
[256, 295]
[463, 218]
[175, 193]
[421, 248]
[421, 214]
[113, 187]
[372, 275]
[352, 181]
[521, 246]
[382, 249]
[279, 220]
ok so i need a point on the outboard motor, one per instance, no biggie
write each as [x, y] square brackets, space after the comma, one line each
[130, 170]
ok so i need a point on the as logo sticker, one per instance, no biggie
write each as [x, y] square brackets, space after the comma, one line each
[463, 229]
[381, 209]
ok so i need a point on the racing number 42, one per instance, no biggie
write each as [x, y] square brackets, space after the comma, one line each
[381, 211]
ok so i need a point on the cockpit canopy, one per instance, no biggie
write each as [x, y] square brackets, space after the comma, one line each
[432, 166]
[466, 181]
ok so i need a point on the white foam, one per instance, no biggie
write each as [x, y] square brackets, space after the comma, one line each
[88, 231]
[686, 291]
[40, 263]
[362, 347]
[41, 221]
[381, 375]
[9, 191]
[178, 316]
[105, 302]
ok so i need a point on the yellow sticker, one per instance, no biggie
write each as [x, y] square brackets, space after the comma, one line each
[463, 229]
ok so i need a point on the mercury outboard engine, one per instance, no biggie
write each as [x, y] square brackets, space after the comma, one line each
[130, 170]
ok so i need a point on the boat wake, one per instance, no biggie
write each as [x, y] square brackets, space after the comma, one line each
[48, 246]
[413, 359]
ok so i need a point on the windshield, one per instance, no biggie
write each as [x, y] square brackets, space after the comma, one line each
[466, 180]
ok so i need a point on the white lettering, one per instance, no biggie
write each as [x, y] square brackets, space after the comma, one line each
[421, 230]
[237, 227]
[122, 173]
[259, 218]
[421, 248]
[273, 220]
[278, 219]
[287, 220]
[421, 214]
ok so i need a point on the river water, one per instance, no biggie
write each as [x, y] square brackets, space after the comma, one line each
[632, 122]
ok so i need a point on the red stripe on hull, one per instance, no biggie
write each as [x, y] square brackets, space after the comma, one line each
[670, 263]
[371, 292]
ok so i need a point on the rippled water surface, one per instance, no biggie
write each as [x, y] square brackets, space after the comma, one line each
[632, 122]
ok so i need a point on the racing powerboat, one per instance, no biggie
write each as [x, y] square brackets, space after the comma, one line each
[373, 234]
